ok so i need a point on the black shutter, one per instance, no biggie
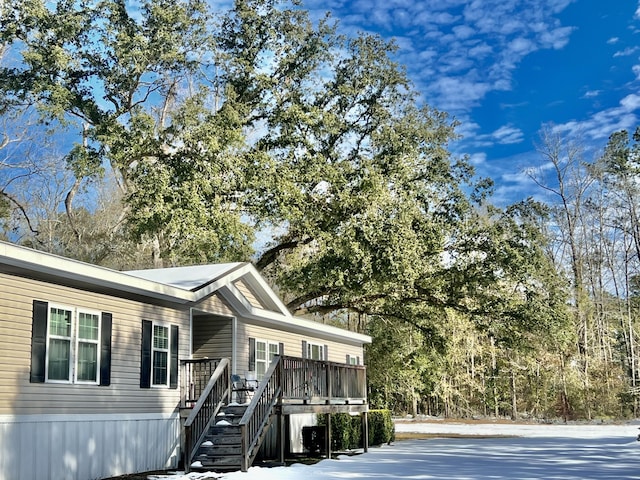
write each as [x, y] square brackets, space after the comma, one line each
[304, 349]
[348, 359]
[145, 354]
[173, 372]
[357, 360]
[281, 348]
[326, 353]
[252, 354]
[38, 341]
[105, 350]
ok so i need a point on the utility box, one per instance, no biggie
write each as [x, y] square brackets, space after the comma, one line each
[314, 440]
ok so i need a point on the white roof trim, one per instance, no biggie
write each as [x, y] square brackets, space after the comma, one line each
[129, 282]
[69, 269]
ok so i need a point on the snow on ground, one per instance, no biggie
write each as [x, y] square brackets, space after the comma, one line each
[523, 452]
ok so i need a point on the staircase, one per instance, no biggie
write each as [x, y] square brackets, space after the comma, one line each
[224, 436]
[221, 448]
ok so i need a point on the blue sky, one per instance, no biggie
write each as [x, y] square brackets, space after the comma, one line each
[504, 68]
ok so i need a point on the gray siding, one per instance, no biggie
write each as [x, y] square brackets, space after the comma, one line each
[212, 336]
[124, 395]
[292, 344]
[248, 294]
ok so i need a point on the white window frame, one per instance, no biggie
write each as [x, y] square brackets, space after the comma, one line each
[50, 307]
[97, 342]
[167, 351]
[323, 354]
[266, 361]
[74, 340]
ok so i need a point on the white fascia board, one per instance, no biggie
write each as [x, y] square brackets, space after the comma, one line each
[289, 322]
[264, 291]
[250, 274]
[61, 267]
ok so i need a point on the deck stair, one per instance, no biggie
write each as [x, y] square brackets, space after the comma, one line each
[221, 448]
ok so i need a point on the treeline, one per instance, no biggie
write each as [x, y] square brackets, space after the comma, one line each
[159, 133]
[586, 365]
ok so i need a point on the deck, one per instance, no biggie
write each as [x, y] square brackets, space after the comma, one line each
[291, 385]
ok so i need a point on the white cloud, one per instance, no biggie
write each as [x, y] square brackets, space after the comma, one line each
[592, 93]
[556, 38]
[600, 125]
[508, 134]
[522, 46]
[636, 71]
[631, 102]
[626, 52]
[478, 159]
[613, 40]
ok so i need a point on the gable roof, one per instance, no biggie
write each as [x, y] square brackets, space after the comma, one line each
[178, 285]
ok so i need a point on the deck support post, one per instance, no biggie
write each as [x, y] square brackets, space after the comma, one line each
[365, 431]
[328, 435]
[281, 436]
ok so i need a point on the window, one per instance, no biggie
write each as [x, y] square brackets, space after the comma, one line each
[265, 352]
[59, 345]
[261, 354]
[353, 360]
[70, 345]
[88, 343]
[159, 355]
[314, 351]
[67, 328]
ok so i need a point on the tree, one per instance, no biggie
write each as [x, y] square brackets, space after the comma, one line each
[133, 86]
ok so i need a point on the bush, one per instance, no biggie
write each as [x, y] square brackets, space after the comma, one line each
[381, 427]
[346, 430]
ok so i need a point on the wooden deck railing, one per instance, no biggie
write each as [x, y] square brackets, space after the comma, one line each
[216, 393]
[257, 416]
[311, 381]
[194, 376]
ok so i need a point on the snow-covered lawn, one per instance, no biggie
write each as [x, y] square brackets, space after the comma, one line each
[550, 452]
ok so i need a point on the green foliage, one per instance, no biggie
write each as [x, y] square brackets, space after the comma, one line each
[346, 430]
[381, 427]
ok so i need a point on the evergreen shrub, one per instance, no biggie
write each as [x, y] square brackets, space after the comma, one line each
[346, 430]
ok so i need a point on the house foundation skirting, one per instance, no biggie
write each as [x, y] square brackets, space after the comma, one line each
[83, 447]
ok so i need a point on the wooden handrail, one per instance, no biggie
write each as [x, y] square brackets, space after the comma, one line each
[214, 396]
[256, 417]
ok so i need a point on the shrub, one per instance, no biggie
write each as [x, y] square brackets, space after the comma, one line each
[381, 427]
[346, 430]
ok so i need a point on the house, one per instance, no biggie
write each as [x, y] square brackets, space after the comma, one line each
[104, 373]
